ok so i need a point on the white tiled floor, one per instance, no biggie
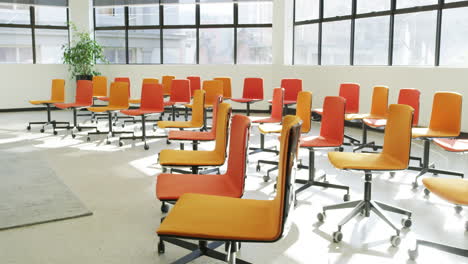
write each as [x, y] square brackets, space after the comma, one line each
[117, 184]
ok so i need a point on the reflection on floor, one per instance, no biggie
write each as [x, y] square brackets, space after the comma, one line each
[117, 184]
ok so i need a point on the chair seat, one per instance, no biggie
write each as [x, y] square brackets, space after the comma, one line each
[169, 103]
[454, 145]
[350, 117]
[424, 132]
[451, 190]
[318, 141]
[134, 101]
[172, 157]
[138, 112]
[245, 100]
[99, 109]
[365, 161]
[70, 105]
[208, 217]
[38, 102]
[103, 98]
[257, 119]
[375, 122]
[270, 128]
[170, 187]
[191, 135]
[175, 124]
[285, 102]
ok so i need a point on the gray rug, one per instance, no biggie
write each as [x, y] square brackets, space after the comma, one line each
[31, 193]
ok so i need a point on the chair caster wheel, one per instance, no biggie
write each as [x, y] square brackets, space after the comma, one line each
[413, 254]
[466, 226]
[120, 143]
[392, 174]
[406, 223]
[73, 136]
[395, 240]
[97, 130]
[258, 168]
[415, 185]
[168, 142]
[161, 247]
[427, 192]
[458, 209]
[28, 127]
[114, 124]
[108, 142]
[123, 125]
[42, 130]
[146, 147]
[375, 148]
[164, 208]
[55, 133]
[88, 139]
[266, 178]
[337, 236]
[340, 149]
[321, 217]
[79, 129]
[346, 197]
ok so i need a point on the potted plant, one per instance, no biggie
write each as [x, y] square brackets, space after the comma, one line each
[82, 54]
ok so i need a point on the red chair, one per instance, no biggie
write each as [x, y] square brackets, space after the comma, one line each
[151, 103]
[170, 187]
[83, 99]
[331, 137]
[291, 87]
[253, 92]
[195, 84]
[180, 94]
[275, 117]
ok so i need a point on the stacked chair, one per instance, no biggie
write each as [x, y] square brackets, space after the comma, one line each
[232, 220]
[251, 93]
[57, 96]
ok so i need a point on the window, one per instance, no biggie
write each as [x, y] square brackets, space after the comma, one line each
[381, 33]
[186, 32]
[23, 25]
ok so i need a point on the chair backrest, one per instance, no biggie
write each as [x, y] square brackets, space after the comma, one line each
[167, 83]
[84, 92]
[379, 105]
[150, 81]
[198, 108]
[446, 112]
[180, 91]
[303, 109]
[253, 88]
[397, 138]
[218, 101]
[222, 123]
[238, 147]
[277, 103]
[410, 97]
[213, 89]
[195, 83]
[285, 196]
[100, 86]
[125, 80]
[118, 95]
[58, 90]
[152, 97]
[350, 92]
[291, 88]
[227, 88]
[332, 127]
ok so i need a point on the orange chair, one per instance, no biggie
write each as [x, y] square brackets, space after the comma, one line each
[100, 88]
[176, 159]
[118, 100]
[83, 99]
[151, 103]
[198, 112]
[445, 123]
[167, 84]
[170, 187]
[275, 117]
[331, 136]
[145, 81]
[57, 96]
[232, 220]
[180, 94]
[394, 156]
[195, 84]
[291, 87]
[252, 92]
[227, 88]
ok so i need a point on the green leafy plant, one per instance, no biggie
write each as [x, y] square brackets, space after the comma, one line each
[82, 54]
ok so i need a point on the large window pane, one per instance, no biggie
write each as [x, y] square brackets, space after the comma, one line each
[255, 13]
[372, 6]
[15, 45]
[371, 41]
[143, 46]
[414, 39]
[110, 16]
[51, 15]
[14, 14]
[143, 15]
[49, 44]
[113, 43]
[412, 3]
[180, 14]
[254, 45]
[306, 44]
[454, 48]
[217, 13]
[307, 9]
[217, 46]
[180, 46]
[335, 42]
[334, 8]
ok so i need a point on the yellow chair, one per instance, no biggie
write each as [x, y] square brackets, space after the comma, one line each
[233, 220]
[394, 156]
[167, 84]
[227, 88]
[118, 100]
[145, 81]
[198, 113]
[100, 87]
[194, 159]
[445, 123]
[57, 96]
